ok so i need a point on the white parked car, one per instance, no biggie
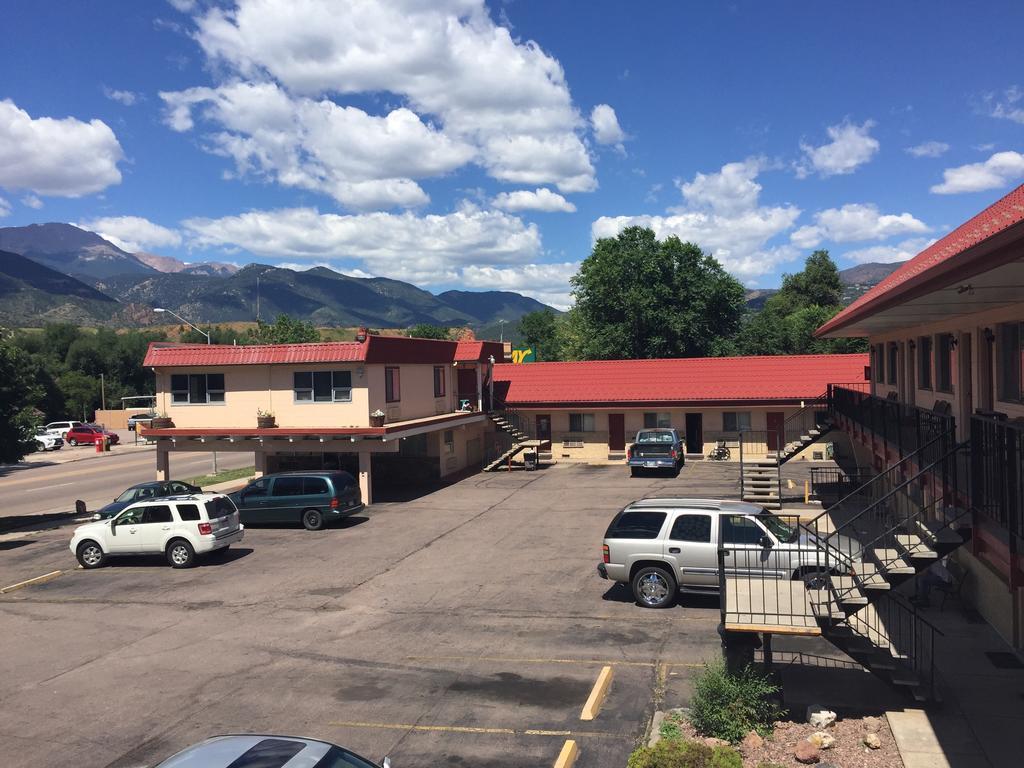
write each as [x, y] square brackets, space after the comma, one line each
[47, 442]
[178, 527]
[60, 428]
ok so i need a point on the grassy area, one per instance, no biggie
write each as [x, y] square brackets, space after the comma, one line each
[222, 477]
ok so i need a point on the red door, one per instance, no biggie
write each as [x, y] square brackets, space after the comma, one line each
[616, 432]
[775, 437]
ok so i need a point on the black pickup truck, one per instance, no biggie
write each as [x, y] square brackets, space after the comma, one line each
[655, 449]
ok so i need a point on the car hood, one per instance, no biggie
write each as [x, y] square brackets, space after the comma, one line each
[93, 526]
[111, 509]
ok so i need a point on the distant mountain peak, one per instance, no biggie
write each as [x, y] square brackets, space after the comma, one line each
[70, 249]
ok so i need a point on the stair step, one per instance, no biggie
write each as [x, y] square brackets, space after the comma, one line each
[914, 547]
[891, 562]
[824, 606]
[936, 531]
[869, 577]
[814, 432]
[848, 591]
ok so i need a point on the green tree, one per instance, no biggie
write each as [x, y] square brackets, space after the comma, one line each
[539, 330]
[284, 330]
[638, 297]
[81, 394]
[428, 331]
[18, 394]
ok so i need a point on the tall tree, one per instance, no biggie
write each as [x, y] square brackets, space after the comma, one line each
[638, 297]
[18, 394]
[428, 331]
[284, 330]
[539, 330]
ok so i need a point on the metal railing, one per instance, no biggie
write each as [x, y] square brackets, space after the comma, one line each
[501, 441]
[997, 474]
[829, 484]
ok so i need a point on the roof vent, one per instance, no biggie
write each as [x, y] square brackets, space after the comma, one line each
[361, 335]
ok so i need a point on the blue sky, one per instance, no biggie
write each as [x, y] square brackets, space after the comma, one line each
[461, 144]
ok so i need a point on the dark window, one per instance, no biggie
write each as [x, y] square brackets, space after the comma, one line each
[322, 386]
[691, 528]
[287, 486]
[392, 385]
[891, 364]
[188, 512]
[879, 362]
[449, 441]
[314, 486]
[944, 362]
[1010, 362]
[924, 362]
[581, 422]
[268, 753]
[636, 525]
[337, 757]
[735, 421]
[657, 420]
[344, 480]
[177, 487]
[258, 488]
[161, 514]
[222, 506]
[740, 529]
[197, 388]
[438, 381]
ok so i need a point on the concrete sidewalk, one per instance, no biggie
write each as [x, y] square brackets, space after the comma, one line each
[980, 723]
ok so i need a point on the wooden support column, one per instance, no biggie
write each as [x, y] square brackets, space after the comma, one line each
[366, 477]
[261, 463]
[163, 461]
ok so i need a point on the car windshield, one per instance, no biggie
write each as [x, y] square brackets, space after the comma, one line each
[654, 437]
[779, 529]
[127, 495]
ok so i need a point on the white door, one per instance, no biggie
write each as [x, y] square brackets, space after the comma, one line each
[692, 551]
[124, 534]
[155, 528]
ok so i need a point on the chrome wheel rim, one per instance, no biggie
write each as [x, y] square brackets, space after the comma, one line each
[653, 588]
[92, 555]
[313, 519]
[179, 555]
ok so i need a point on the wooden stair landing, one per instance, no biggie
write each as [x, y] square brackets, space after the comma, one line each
[769, 605]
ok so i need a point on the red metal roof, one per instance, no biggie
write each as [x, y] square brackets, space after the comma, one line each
[934, 260]
[376, 349]
[672, 381]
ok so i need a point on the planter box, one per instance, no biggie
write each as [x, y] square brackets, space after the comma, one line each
[266, 422]
[377, 421]
[161, 422]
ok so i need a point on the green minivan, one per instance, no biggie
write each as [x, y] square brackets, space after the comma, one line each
[312, 498]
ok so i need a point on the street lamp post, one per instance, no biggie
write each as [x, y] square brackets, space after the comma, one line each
[501, 325]
[186, 322]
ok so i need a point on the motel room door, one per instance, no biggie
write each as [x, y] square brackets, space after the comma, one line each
[775, 421]
[616, 431]
[543, 427]
[695, 433]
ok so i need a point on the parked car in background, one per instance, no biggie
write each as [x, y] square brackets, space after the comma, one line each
[61, 428]
[152, 490]
[254, 751]
[145, 419]
[656, 449]
[312, 498]
[47, 442]
[86, 434]
[179, 527]
[661, 546]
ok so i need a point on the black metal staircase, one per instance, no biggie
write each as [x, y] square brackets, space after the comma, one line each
[514, 435]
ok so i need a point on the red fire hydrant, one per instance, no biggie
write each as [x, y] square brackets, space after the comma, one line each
[99, 444]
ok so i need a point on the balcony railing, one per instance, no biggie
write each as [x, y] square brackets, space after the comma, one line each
[906, 428]
[997, 473]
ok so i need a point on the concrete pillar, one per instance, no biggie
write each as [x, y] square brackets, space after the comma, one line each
[479, 387]
[261, 463]
[366, 477]
[163, 461]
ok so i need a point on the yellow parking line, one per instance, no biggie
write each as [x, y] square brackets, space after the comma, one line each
[516, 660]
[472, 730]
[598, 694]
[28, 582]
[567, 757]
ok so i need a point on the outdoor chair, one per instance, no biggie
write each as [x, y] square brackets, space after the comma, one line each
[955, 586]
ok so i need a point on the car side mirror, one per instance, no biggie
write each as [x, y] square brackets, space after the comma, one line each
[386, 763]
[766, 541]
[113, 527]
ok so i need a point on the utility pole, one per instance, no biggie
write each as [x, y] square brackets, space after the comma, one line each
[257, 298]
[103, 393]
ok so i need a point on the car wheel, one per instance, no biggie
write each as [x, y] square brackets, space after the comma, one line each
[654, 587]
[72, 442]
[90, 555]
[633, 471]
[312, 520]
[180, 554]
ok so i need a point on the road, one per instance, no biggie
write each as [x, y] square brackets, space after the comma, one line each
[41, 489]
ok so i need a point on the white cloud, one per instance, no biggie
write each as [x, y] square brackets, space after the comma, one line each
[361, 160]
[422, 249]
[539, 200]
[5, 208]
[1009, 107]
[133, 233]
[499, 102]
[185, 6]
[998, 171]
[127, 98]
[851, 147]
[31, 201]
[722, 215]
[928, 149]
[606, 126]
[60, 157]
[855, 222]
[886, 254]
[548, 283]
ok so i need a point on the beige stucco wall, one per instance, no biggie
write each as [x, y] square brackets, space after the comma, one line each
[249, 388]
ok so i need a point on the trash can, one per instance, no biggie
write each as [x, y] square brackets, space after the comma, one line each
[530, 460]
[99, 445]
[106, 443]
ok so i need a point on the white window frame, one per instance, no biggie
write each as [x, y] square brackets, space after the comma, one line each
[738, 421]
[187, 392]
[339, 394]
[587, 423]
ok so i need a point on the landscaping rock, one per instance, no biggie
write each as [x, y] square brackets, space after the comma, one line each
[807, 753]
[752, 742]
[822, 740]
[872, 724]
[711, 741]
[782, 725]
[819, 717]
[871, 741]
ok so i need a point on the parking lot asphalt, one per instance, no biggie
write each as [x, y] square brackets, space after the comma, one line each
[464, 628]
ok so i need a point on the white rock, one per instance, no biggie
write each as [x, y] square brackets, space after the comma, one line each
[822, 740]
[819, 717]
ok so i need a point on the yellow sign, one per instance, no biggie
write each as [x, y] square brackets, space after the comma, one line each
[524, 355]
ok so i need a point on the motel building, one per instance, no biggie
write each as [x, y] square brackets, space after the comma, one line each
[946, 397]
[410, 409]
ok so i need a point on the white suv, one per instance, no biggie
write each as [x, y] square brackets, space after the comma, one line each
[60, 428]
[179, 527]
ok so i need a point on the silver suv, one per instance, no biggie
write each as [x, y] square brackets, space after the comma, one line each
[661, 546]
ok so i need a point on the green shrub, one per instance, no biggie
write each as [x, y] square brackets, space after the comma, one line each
[670, 726]
[729, 706]
[676, 753]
